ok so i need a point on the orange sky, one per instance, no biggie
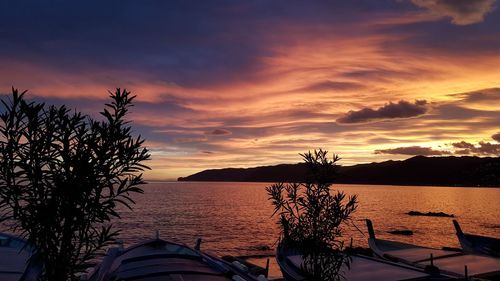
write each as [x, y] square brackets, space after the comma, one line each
[241, 85]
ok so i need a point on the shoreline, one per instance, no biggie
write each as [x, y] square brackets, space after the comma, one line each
[334, 183]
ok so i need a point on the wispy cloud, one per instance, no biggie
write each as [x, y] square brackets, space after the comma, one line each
[462, 12]
[330, 86]
[191, 139]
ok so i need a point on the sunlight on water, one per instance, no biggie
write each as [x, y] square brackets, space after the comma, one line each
[235, 218]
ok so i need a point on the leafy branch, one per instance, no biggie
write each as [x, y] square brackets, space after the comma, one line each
[63, 175]
[311, 217]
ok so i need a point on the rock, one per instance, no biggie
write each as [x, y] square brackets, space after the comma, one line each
[401, 232]
[430, 214]
[494, 226]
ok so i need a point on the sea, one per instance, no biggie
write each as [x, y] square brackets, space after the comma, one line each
[235, 218]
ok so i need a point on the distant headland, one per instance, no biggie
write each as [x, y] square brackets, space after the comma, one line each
[418, 170]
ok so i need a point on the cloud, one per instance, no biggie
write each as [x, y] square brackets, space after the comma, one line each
[220, 132]
[297, 68]
[463, 145]
[402, 109]
[412, 150]
[496, 137]
[462, 12]
[484, 95]
[482, 148]
[487, 148]
[484, 99]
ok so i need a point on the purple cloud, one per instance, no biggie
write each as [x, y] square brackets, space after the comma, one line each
[496, 137]
[402, 109]
[220, 132]
[462, 12]
[482, 148]
[463, 145]
[412, 150]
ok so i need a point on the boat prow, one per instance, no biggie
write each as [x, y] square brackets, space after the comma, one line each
[164, 260]
[404, 252]
[477, 244]
[361, 268]
[455, 264]
[16, 260]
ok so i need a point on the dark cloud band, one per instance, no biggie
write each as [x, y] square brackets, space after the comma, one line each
[412, 150]
[220, 132]
[402, 109]
[496, 137]
[482, 148]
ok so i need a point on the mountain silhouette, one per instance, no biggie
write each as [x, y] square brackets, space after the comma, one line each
[418, 170]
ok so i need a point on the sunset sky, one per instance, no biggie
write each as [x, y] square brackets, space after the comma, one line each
[248, 83]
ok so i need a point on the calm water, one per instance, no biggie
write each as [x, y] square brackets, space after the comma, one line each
[234, 218]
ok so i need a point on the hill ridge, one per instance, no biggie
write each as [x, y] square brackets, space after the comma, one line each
[417, 170]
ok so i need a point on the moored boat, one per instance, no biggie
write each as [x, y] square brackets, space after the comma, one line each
[477, 244]
[404, 252]
[159, 259]
[447, 262]
[360, 268]
[15, 260]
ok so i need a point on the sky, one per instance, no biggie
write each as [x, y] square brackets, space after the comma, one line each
[248, 83]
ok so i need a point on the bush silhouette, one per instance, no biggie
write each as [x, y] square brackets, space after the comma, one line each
[311, 217]
[62, 176]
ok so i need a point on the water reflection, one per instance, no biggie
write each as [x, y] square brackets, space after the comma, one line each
[235, 218]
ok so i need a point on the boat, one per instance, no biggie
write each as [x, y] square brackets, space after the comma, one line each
[16, 263]
[361, 268]
[404, 252]
[477, 244]
[159, 259]
[446, 261]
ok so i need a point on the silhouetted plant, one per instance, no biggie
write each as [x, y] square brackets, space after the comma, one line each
[62, 176]
[311, 217]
